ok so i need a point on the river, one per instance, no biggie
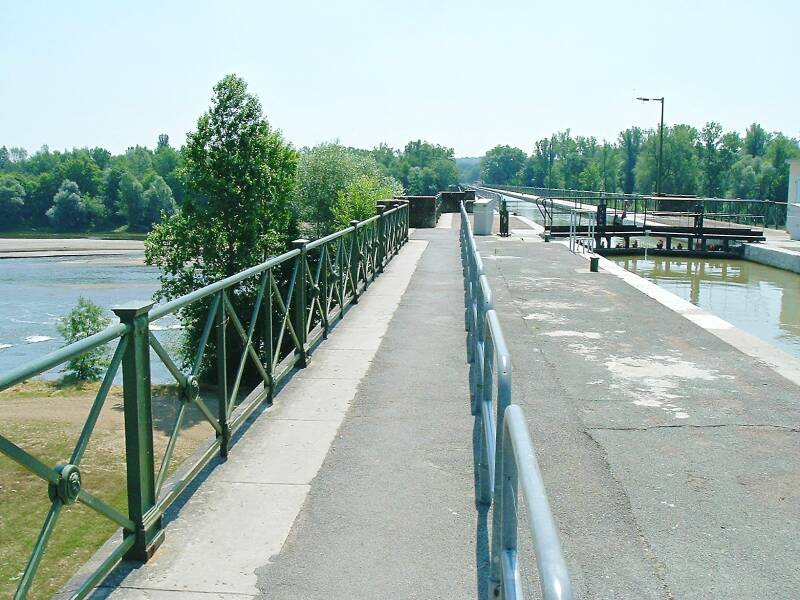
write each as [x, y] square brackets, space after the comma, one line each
[36, 292]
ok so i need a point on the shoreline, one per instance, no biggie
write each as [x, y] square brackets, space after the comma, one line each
[60, 247]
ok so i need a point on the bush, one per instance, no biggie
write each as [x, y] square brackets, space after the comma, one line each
[360, 198]
[85, 319]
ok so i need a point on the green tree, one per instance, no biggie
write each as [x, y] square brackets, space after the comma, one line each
[68, 212]
[158, 200]
[132, 203]
[240, 176]
[501, 165]
[680, 173]
[322, 173]
[591, 178]
[80, 168]
[710, 159]
[630, 142]
[755, 140]
[87, 318]
[12, 202]
[751, 177]
[359, 199]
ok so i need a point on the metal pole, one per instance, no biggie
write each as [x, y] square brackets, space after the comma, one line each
[660, 150]
[299, 308]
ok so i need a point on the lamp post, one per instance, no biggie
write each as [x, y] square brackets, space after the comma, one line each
[660, 140]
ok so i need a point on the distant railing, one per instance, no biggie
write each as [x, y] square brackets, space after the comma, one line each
[320, 280]
[739, 211]
[505, 456]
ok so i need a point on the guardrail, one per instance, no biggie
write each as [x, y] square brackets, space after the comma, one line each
[741, 211]
[505, 456]
[320, 280]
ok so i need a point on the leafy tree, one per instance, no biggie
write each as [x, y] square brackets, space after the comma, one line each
[322, 173]
[755, 140]
[422, 168]
[68, 212]
[239, 175]
[158, 200]
[708, 148]
[751, 177]
[131, 194]
[501, 165]
[608, 164]
[680, 172]
[12, 202]
[359, 199]
[81, 169]
[87, 318]
[111, 195]
[630, 142]
[100, 156]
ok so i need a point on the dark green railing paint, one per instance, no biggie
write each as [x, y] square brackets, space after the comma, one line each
[327, 275]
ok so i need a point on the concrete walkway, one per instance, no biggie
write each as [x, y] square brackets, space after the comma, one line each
[672, 459]
[358, 482]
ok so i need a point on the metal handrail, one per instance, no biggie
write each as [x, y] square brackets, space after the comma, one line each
[297, 306]
[505, 456]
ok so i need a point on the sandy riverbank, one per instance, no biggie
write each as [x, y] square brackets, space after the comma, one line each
[44, 247]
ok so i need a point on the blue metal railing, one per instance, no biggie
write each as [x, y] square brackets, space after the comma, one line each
[506, 460]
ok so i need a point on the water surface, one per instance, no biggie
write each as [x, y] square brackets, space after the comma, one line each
[761, 300]
[36, 292]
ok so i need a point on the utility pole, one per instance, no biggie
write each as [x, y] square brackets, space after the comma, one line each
[660, 141]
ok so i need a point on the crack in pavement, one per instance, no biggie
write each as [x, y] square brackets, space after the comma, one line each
[692, 426]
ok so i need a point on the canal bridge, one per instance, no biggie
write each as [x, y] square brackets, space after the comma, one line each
[438, 415]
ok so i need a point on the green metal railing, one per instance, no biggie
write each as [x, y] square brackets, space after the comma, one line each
[300, 295]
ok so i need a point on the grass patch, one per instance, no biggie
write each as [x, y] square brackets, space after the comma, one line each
[45, 418]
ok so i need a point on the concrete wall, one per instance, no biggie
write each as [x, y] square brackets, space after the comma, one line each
[772, 257]
[423, 211]
[451, 201]
[793, 199]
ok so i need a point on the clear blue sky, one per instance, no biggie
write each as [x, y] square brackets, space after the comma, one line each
[467, 74]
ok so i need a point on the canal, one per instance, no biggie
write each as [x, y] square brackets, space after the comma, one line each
[761, 300]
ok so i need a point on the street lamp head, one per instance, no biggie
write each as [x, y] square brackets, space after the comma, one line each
[643, 99]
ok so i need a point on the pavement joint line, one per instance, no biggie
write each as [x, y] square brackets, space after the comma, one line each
[697, 426]
[177, 590]
[263, 482]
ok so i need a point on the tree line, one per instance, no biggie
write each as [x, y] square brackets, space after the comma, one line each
[706, 162]
[89, 189]
[92, 190]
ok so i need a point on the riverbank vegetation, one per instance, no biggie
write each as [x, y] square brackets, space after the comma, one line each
[709, 162]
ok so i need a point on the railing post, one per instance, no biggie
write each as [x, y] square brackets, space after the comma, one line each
[222, 375]
[139, 460]
[381, 238]
[299, 303]
[355, 259]
[268, 341]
